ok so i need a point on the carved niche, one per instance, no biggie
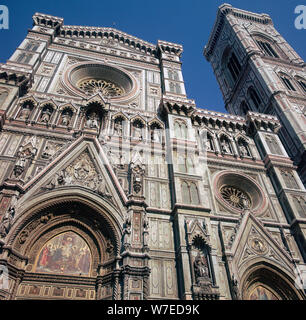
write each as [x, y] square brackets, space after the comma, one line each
[199, 248]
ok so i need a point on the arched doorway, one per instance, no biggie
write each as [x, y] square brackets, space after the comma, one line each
[69, 250]
[266, 282]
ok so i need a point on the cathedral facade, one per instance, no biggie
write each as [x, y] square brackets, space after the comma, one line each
[115, 185]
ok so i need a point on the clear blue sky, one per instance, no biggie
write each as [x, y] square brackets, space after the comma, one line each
[186, 22]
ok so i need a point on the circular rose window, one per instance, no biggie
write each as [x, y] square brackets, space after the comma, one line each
[106, 88]
[238, 192]
[88, 79]
[236, 197]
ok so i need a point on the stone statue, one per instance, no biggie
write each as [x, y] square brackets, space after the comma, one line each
[137, 130]
[127, 232]
[25, 112]
[200, 267]
[235, 290]
[66, 117]
[118, 128]
[92, 120]
[46, 115]
[225, 147]
[243, 150]
[6, 222]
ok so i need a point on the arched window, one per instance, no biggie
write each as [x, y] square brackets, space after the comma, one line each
[289, 179]
[24, 58]
[185, 192]
[32, 46]
[190, 194]
[182, 163]
[267, 48]
[230, 66]
[180, 129]
[287, 82]
[302, 84]
[300, 205]
[254, 98]
[273, 145]
[244, 108]
[173, 75]
[194, 195]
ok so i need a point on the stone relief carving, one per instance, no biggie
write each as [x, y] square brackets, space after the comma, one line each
[81, 172]
[26, 152]
[50, 149]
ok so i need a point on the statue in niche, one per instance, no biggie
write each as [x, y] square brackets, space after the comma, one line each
[243, 149]
[127, 232]
[118, 127]
[137, 130]
[92, 120]
[225, 146]
[25, 111]
[8, 218]
[155, 134]
[66, 118]
[235, 290]
[46, 115]
[201, 267]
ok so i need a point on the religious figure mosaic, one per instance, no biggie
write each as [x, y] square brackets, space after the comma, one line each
[66, 253]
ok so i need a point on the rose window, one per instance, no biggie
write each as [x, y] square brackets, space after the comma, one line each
[235, 197]
[106, 88]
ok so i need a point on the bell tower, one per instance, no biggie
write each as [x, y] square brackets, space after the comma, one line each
[258, 71]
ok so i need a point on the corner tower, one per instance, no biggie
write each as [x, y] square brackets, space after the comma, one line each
[257, 70]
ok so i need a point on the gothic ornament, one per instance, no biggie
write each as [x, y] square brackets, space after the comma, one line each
[235, 197]
[81, 172]
[105, 87]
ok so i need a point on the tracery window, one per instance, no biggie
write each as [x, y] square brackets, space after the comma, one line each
[235, 197]
[273, 145]
[173, 75]
[32, 46]
[287, 83]
[24, 58]
[105, 87]
[244, 108]
[302, 84]
[254, 98]
[300, 205]
[230, 66]
[267, 48]
[180, 130]
[234, 66]
[289, 179]
[190, 194]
